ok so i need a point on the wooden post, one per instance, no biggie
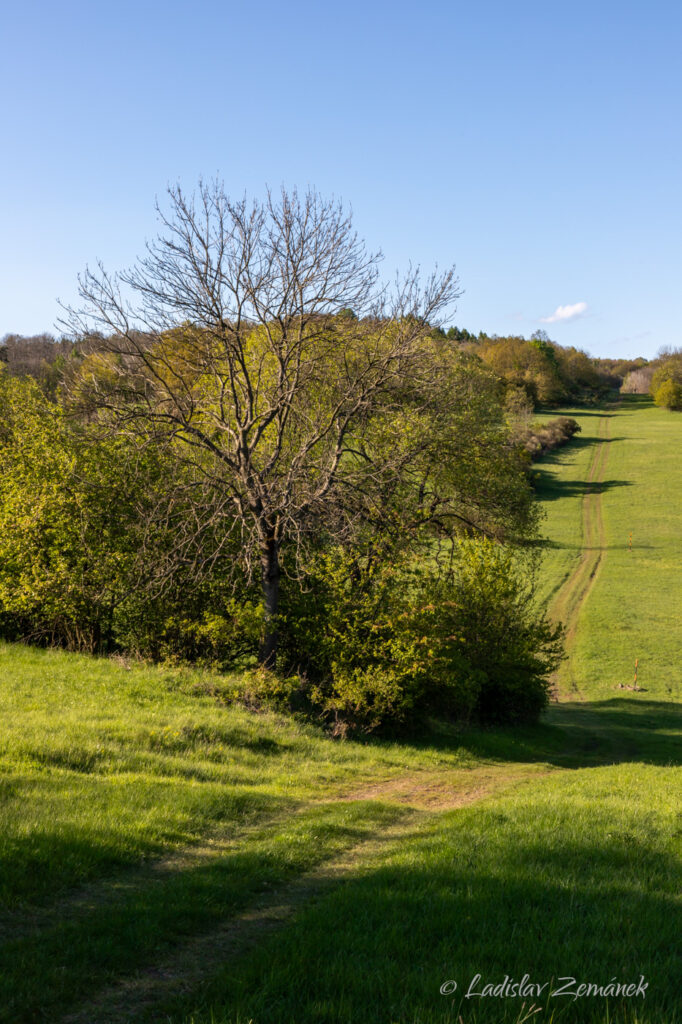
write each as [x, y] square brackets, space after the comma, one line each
[629, 542]
[635, 682]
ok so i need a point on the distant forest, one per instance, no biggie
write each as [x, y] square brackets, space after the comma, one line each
[538, 369]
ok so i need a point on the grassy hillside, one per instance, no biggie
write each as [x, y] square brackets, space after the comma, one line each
[634, 606]
[165, 857]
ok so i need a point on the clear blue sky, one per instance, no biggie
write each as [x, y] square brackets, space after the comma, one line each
[537, 145]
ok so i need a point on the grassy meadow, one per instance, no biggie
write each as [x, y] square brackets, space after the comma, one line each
[635, 601]
[167, 858]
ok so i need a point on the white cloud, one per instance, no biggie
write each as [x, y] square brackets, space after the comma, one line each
[564, 313]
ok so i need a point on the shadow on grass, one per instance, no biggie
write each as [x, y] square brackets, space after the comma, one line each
[601, 412]
[556, 456]
[550, 489]
[536, 884]
[58, 857]
[51, 960]
[546, 543]
[492, 892]
[576, 735]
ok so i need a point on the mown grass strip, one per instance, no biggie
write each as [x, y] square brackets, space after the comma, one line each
[635, 606]
[569, 600]
[74, 952]
[576, 875]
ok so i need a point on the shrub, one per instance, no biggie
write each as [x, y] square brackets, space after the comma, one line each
[82, 570]
[383, 645]
[545, 437]
[669, 395]
[510, 647]
[348, 633]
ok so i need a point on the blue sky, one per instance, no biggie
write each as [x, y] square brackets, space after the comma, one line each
[536, 145]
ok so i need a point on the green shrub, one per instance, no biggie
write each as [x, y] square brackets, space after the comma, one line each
[89, 555]
[669, 395]
[186, 630]
[349, 634]
[669, 368]
[383, 645]
[486, 608]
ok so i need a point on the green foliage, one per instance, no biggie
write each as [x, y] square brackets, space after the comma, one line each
[349, 633]
[371, 628]
[669, 395]
[66, 549]
[669, 368]
[490, 621]
[225, 638]
[387, 644]
[665, 379]
[89, 545]
[531, 365]
[547, 373]
[544, 346]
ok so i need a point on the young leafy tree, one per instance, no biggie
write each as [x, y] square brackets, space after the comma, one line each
[68, 554]
[669, 395]
[668, 368]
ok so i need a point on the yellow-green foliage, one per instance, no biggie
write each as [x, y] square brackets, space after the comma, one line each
[669, 395]
[89, 554]
[387, 642]
[524, 364]
[666, 381]
[64, 544]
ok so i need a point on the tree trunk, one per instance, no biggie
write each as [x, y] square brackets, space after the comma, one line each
[270, 581]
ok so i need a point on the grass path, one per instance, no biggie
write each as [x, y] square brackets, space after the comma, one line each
[424, 796]
[613, 492]
[569, 599]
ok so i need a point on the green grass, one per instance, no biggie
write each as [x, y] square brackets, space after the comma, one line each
[139, 816]
[569, 877]
[635, 606]
[559, 479]
[103, 766]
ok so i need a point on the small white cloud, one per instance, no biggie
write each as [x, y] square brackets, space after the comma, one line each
[564, 313]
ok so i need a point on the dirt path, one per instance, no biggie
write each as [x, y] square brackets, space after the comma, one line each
[424, 795]
[575, 590]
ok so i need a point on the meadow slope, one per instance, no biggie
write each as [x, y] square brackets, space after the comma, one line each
[612, 504]
[167, 858]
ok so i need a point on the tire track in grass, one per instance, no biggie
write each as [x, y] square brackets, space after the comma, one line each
[140, 996]
[440, 789]
[571, 596]
[128, 880]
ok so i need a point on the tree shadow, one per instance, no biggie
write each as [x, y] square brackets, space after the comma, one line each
[557, 456]
[575, 411]
[53, 957]
[575, 735]
[555, 545]
[490, 891]
[550, 489]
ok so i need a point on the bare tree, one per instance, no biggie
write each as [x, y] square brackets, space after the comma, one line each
[257, 339]
[637, 382]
